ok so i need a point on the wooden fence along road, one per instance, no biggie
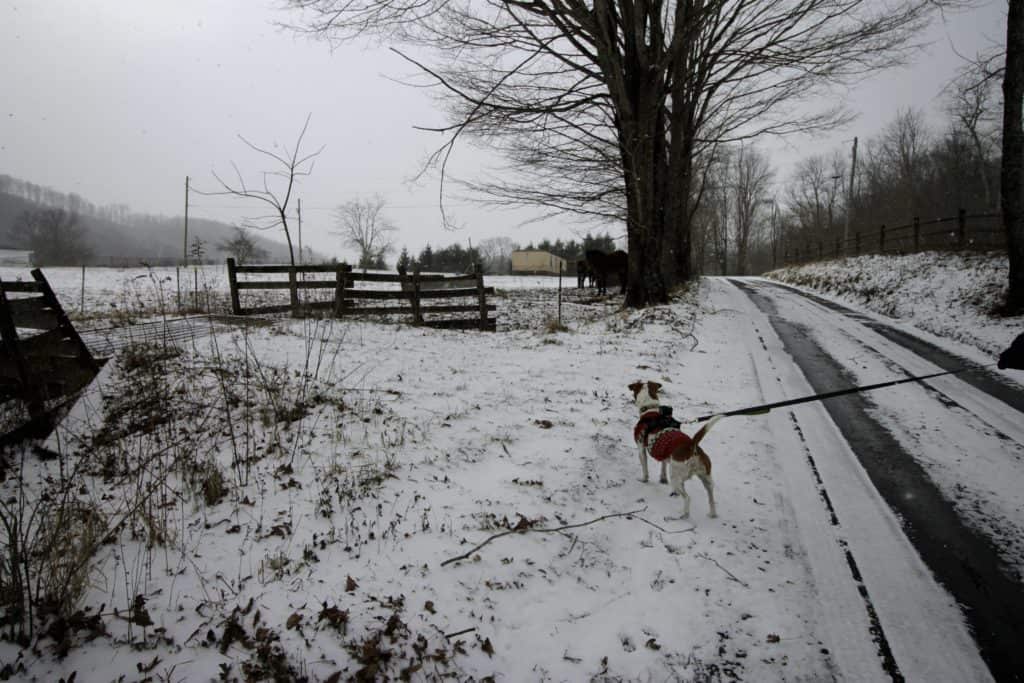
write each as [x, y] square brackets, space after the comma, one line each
[422, 297]
[975, 232]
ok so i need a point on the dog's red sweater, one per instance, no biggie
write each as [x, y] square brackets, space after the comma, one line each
[665, 440]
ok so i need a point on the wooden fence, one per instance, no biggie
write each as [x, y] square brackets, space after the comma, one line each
[963, 232]
[42, 357]
[423, 298]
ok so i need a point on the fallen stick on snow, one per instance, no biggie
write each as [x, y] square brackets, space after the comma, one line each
[459, 633]
[705, 556]
[522, 528]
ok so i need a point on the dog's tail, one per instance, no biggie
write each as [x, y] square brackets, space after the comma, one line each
[702, 432]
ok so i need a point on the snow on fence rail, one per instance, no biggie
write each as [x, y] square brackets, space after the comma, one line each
[423, 297]
[963, 232]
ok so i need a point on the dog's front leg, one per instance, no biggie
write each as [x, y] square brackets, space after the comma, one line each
[642, 452]
[664, 469]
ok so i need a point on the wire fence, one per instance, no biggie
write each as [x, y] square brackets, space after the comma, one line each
[963, 232]
[107, 341]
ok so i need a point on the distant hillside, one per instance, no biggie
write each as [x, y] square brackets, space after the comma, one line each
[115, 235]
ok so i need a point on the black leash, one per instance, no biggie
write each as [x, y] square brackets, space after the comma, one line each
[762, 409]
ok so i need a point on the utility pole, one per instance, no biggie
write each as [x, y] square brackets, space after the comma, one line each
[776, 233]
[849, 198]
[185, 250]
[177, 271]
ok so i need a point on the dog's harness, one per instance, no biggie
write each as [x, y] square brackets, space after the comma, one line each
[660, 423]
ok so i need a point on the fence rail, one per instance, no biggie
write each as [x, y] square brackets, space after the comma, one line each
[42, 356]
[963, 232]
[348, 298]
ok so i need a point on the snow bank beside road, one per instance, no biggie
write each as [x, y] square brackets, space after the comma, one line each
[949, 295]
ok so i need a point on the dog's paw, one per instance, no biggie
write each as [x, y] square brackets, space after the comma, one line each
[644, 480]
[663, 480]
[713, 514]
[673, 494]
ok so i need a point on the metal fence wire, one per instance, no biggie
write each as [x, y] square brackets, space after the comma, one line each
[107, 341]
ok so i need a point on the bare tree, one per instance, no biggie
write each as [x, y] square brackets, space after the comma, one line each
[276, 187]
[972, 106]
[1005, 64]
[903, 151]
[751, 176]
[614, 101]
[1012, 171]
[242, 247]
[55, 237]
[711, 221]
[808, 196]
[496, 254]
[363, 227]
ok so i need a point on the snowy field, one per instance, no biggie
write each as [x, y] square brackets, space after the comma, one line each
[324, 501]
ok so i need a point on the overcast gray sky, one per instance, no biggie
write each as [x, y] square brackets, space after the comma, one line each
[119, 100]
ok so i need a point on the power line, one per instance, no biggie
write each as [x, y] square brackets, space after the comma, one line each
[227, 207]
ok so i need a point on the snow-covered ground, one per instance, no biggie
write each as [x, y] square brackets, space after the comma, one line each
[283, 503]
[948, 294]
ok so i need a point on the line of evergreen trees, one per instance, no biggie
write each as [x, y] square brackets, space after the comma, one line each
[495, 254]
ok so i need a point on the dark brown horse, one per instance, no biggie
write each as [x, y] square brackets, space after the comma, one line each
[583, 274]
[601, 265]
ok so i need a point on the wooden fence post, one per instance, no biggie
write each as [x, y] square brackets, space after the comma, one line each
[917, 233]
[236, 306]
[961, 223]
[293, 291]
[417, 314]
[340, 282]
[559, 292]
[881, 239]
[480, 293]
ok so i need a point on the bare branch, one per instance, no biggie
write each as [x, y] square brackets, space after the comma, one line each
[292, 167]
[525, 526]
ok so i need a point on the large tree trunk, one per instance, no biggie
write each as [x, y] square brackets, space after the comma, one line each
[636, 88]
[1013, 154]
[682, 127]
[643, 157]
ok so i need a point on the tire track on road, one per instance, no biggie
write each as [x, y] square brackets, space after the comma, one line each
[964, 561]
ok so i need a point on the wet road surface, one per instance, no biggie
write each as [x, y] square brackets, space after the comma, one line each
[964, 560]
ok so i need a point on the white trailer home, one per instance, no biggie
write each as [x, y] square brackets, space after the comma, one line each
[537, 262]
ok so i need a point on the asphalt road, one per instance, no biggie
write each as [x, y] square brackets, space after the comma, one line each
[964, 560]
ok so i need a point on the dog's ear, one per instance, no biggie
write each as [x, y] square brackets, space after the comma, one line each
[652, 389]
[635, 387]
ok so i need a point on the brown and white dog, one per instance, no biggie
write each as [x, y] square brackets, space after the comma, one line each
[678, 453]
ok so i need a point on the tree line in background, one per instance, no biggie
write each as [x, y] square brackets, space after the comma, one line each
[748, 217]
[66, 229]
[494, 254]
